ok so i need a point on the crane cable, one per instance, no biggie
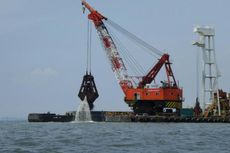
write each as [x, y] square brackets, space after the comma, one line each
[89, 46]
[134, 38]
[128, 57]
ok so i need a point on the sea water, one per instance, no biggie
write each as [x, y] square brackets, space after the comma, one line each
[83, 112]
[106, 137]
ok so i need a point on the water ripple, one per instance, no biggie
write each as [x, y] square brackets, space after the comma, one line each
[23, 137]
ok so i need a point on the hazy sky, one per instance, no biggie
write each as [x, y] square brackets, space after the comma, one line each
[43, 49]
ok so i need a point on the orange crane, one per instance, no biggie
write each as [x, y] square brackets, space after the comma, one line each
[141, 97]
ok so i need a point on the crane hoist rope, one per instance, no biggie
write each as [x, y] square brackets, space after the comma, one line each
[88, 87]
[89, 47]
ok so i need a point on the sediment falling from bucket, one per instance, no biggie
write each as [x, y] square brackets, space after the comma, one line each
[83, 113]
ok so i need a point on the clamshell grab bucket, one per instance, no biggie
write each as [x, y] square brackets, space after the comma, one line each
[88, 89]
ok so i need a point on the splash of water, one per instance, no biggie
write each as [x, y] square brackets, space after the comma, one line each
[83, 113]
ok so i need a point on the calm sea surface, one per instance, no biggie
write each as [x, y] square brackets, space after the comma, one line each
[24, 137]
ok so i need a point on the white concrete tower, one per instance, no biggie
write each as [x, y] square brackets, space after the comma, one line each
[210, 72]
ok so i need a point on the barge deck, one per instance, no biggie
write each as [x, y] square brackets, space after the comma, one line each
[109, 116]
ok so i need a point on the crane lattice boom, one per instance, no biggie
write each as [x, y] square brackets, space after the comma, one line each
[115, 60]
